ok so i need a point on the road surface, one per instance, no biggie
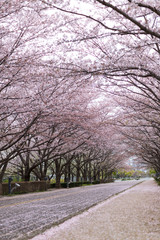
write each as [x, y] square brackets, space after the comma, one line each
[24, 216]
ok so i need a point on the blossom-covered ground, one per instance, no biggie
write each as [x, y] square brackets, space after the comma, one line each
[25, 216]
[131, 215]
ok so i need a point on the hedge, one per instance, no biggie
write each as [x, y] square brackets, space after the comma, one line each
[74, 184]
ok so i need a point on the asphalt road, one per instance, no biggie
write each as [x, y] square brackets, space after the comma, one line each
[24, 216]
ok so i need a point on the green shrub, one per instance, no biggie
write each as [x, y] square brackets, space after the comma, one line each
[73, 184]
[96, 182]
[52, 185]
[157, 179]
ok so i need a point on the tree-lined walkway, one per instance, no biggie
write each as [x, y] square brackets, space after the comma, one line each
[26, 215]
[131, 215]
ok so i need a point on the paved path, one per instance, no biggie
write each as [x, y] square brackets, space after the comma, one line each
[131, 215]
[26, 215]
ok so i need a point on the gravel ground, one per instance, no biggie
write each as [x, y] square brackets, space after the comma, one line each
[131, 215]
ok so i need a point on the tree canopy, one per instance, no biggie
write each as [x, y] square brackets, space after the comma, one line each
[77, 76]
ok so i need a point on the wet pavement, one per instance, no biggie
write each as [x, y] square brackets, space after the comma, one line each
[24, 216]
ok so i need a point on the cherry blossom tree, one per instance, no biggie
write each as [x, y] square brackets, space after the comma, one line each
[120, 41]
[22, 72]
[12, 65]
[55, 74]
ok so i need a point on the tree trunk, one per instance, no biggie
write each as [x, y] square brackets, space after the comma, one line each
[78, 175]
[85, 172]
[90, 172]
[58, 180]
[69, 170]
[58, 174]
[102, 174]
[27, 177]
[65, 174]
[98, 175]
[2, 170]
[94, 173]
